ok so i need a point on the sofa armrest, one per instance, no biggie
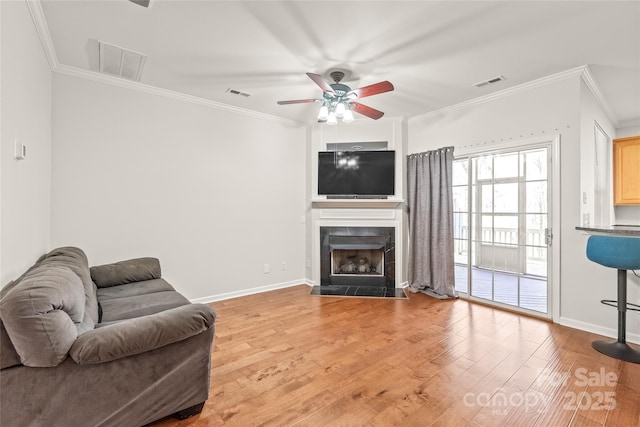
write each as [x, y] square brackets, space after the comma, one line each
[142, 334]
[123, 272]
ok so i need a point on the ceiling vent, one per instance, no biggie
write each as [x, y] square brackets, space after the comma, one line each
[238, 92]
[490, 81]
[121, 62]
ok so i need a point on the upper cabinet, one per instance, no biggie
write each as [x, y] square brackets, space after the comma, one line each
[626, 171]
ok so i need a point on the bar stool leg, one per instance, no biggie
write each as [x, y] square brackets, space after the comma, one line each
[620, 349]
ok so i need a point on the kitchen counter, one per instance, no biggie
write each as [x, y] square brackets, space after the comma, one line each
[619, 230]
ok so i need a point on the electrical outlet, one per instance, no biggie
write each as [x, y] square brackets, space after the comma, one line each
[585, 220]
[283, 266]
[19, 150]
[267, 268]
[308, 263]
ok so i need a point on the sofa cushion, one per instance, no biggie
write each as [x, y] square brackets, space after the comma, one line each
[133, 289]
[142, 334]
[8, 355]
[41, 312]
[123, 272]
[140, 305]
[76, 260]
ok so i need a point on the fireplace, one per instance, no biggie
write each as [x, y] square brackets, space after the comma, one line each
[357, 256]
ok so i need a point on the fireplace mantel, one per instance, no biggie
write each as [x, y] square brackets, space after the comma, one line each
[356, 203]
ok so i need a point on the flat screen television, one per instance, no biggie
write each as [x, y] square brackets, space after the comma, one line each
[356, 173]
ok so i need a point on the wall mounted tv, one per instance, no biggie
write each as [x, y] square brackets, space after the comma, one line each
[356, 173]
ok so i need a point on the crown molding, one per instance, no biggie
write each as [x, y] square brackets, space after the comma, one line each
[588, 79]
[39, 21]
[153, 90]
[543, 81]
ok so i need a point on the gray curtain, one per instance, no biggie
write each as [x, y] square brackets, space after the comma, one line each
[430, 201]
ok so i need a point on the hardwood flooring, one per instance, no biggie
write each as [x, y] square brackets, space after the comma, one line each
[286, 358]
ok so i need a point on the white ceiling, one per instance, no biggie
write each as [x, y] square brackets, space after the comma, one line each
[432, 51]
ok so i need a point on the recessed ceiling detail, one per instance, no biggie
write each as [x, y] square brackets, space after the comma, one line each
[121, 62]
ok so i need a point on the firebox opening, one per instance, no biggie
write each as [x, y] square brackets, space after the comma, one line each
[357, 256]
[361, 262]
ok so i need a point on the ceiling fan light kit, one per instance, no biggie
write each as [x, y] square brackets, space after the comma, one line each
[338, 100]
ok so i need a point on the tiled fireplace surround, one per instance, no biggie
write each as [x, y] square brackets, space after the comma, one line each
[369, 229]
[357, 256]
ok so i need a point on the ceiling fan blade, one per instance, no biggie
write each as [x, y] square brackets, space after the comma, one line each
[373, 89]
[298, 101]
[320, 81]
[367, 111]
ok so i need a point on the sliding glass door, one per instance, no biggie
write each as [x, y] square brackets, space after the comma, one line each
[501, 227]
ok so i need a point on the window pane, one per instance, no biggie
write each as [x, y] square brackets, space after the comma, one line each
[460, 172]
[461, 278]
[505, 288]
[506, 258]
[460, 251]
[505, 198]
[487, 198]
[460, 225]
[484, 168]
[486, 228]
[484, 255]
[536, 261]
[536, 225]
[482, 283]
[461, 199]
[505, 229]
[536, 164]
[506, 166]
[533, 294]
[537, 197]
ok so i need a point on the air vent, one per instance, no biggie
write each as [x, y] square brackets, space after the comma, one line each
[121, 62]
[490, 81]
[238, 92]
[143, 3]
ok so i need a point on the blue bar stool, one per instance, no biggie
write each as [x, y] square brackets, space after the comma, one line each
[622, 253]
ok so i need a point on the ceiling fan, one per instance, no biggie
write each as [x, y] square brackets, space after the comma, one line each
[338, 100]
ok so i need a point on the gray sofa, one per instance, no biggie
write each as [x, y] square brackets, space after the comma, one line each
[112, 345]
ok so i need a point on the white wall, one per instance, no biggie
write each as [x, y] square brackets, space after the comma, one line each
[549, 109]
[627, 131]
[213, 194]
[591, 114]
[603, 279]
[25, 227]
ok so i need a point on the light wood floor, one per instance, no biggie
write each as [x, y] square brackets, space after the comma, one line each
[286, 358]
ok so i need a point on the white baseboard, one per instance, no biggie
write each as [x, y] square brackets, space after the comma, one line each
[597, 329]
[251, 291]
